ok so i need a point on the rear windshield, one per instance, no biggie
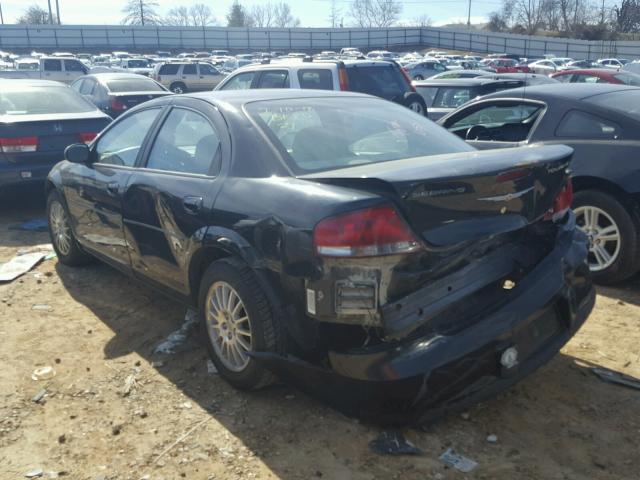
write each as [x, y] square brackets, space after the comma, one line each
[626, 102]
[318, 134]
[628, 78]
[138, 63]
[42, 100]
[133, 85]
[384, 81]
[169, 69]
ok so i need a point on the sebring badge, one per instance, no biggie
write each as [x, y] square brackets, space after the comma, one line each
[508, 197]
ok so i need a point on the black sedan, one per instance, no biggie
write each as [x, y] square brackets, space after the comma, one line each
[602, 124]
[38, 120]
[337, 240]
[115, 93]
[444, 96]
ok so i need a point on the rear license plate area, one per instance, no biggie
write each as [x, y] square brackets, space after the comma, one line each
[537, 332]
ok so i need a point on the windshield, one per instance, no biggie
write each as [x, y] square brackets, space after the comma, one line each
[134, 85]
[320, 134]
[626, 102]
[138, 63]
[384, 80]
[42, 100]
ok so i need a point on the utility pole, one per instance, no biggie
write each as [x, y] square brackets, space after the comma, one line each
[50, 13]
[141, 12]
[602, 14]
[469, 15]
[58, 11]
[1, 16]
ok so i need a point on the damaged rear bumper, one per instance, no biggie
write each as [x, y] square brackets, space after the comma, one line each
[423, 378]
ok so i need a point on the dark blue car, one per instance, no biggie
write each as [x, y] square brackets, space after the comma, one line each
[38, 120]
[601, 122]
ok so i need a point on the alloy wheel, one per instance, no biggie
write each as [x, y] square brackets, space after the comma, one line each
[60, 227]
[603, 234]
[229, 326]
[416, 107]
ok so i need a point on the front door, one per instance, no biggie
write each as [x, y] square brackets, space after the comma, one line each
[209, 77]
[96, 202]
[167, 203]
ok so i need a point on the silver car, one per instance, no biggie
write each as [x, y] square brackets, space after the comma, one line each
[424, 69]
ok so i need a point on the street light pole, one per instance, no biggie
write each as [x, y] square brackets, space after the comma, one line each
[469, 15]
[58, 11]
[50, 13]
[1, 15]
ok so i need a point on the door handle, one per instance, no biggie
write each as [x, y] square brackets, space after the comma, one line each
[113, 188]
[192, 205]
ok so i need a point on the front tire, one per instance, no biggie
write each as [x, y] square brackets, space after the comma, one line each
[63, 240]
[236, 319]
[613, 236]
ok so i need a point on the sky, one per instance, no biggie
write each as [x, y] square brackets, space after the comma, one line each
[312, 13]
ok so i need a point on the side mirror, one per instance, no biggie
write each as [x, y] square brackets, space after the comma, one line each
[77, 153]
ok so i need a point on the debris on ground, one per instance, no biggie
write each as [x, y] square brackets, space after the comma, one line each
[130, 383]
[19, 265]
[37, 398]
[35, 225]
[211, 368]
[157, 364]
[43, 307]
[492, 438]
[178, 337]
[393, 442]
[457, 461]
[610, 376]
[35, 473]
[43, 373]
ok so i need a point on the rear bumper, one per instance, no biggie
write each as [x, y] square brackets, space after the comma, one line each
[32, 170]
[423, 378]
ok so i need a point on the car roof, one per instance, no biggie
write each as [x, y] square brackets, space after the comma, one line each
[237, 98]
[570, 91]
[589, 71]
[461, 82]
[115, 76]
[23, 82]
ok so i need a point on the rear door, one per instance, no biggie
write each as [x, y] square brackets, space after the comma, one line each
[190, 77]
[167, 202]
[94, 195]
[273, 79]
[52, 70]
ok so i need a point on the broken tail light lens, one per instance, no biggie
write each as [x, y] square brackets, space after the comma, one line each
[562, 203]
[87, 137]
[19, 144]
[117, 105]
[364, 233]
[343, 78]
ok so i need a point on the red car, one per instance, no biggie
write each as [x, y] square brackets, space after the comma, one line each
[507, 65]
[597, 75]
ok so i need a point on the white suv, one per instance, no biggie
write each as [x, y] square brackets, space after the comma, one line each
[375, 77]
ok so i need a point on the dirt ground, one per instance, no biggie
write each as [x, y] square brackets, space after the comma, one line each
[178, 421]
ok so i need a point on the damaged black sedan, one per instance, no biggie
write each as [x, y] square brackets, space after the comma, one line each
[337, 241]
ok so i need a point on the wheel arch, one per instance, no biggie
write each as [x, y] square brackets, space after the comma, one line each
[582, 183]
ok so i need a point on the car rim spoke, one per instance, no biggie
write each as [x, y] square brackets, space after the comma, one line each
[60, 228]
[229, 326]
[603, 234]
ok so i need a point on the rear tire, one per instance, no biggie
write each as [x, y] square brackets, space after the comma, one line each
[63, 240]
[414, 101]
[614, 249]
[178, 87]
[222, 320]
[418, 77]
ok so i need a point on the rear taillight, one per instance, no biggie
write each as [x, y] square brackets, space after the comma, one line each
[343, 78]
[406, 77]
[116, 104]
[19, 144]
[562, 203]
[364, 233]
[87, 137]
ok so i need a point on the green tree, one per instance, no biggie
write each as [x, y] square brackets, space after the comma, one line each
[237, 16]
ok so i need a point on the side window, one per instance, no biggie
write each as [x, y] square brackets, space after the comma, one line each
[73, 66]
[77, 86]
[169, 69]
[315, 78]
[241, 81]
[274, 79]
[121, 144]
[439, 67]
[88, 87]
[577, 124]
[53, 65]
[206, 69]
[583, 78]
[186, 143]
[189, 69]
[452, 97]
[495, 115]
[566, 78]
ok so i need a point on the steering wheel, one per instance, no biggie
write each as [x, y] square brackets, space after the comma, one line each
[478, 132]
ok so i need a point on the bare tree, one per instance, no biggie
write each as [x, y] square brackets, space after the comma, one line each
[262, 16]
[335, 14]
[140, 12]
[34, 15]
[178, 16]
[283, 18]
[375, 13]
[201, 15]
[422, 21]
[627, 16]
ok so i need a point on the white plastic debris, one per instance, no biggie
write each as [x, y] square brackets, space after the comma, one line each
[35, 473]
[457, 461]
[43, 307]
[178, 337]
[492, 438]
[19, 265]
[211, 368]
[43, 373]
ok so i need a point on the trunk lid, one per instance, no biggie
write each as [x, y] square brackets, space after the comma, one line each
[131, 99]
[464, 197]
